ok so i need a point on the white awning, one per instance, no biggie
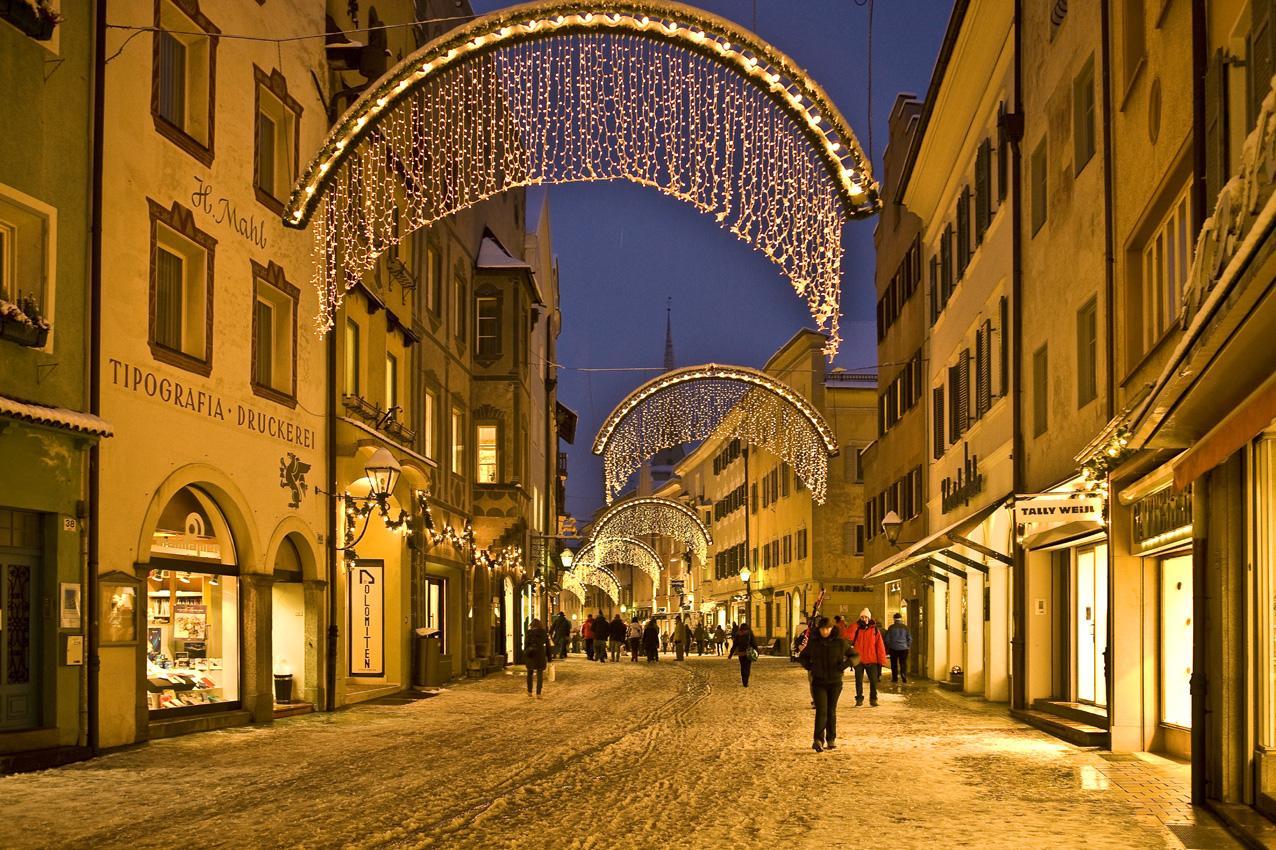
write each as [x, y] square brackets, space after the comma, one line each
[939, 543]
[54, 417]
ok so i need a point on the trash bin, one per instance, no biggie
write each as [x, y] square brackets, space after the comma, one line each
[283, 688]
[428, 655]
[956, 676]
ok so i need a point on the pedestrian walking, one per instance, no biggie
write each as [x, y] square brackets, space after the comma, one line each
[561, 630]
[719, 640]
[587, 632]
[702, 635]
[651, 641]
[840, 626]
[536, 655]
[744, 645]
[616, 639]
[679, 636]
[867, 640]
[826, 657]
[633, 637]
[602, 631]
[898, 642]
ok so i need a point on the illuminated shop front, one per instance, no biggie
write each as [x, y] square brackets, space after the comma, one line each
[192, 610]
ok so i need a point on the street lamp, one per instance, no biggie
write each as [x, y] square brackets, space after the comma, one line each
[891, 524]
[567, 557]
[745, 575]
[382, 472]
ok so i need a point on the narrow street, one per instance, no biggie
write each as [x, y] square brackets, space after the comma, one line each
[678, 753]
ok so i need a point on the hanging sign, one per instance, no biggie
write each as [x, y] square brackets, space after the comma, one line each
[367, 618]
[1050, 510]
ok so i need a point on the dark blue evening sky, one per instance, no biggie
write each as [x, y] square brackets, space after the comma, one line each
[624, 249]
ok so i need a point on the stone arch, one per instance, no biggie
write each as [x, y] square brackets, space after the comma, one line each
[228, 498]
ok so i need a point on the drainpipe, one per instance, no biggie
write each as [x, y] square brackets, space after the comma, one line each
[95, 381]
[1109, 259]
[333, 551]
[1019, 666]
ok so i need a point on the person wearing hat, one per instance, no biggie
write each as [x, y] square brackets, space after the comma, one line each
[866, 637]
[898, 642]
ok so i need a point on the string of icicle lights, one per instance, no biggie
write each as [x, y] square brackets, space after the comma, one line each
[724, 402]
[599, 577]
[563, 91]
[609, 551]
[572, 584]
[650, 516]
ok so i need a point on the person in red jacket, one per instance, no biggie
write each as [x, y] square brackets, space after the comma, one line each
[866, 637]
[587, 632]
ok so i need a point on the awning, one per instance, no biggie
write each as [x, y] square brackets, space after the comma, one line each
[936, 551]
[54, 417]
[1066, 535]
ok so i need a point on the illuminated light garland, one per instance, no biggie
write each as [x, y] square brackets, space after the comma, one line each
[651, 515]
[695, 402]
[607, 551]
[561, 91]
[599, 577]
[572, 584]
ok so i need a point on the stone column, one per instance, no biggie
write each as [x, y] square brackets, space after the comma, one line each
[316, 597]
[255, 609]
[974, 632]
[1126, 648]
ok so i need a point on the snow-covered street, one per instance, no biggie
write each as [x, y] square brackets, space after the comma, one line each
[648, 756]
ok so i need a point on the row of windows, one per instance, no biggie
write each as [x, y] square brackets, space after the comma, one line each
[972, 217]
[775, 484]
[725, 457]
[967, 370]
[904, 497]
[728, 563]
[901, 394]
[901, 287]
[729, 504]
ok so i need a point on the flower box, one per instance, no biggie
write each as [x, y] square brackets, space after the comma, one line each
[32, 336]
[33, 18]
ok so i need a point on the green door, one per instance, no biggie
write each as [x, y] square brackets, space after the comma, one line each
[19, 629]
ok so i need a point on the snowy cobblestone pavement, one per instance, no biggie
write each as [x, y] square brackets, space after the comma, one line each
[616, 755]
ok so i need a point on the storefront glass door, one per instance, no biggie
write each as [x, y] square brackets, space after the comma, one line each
[1092, 624]
[1176, 641]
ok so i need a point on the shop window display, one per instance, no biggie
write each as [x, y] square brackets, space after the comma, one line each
[192, 632]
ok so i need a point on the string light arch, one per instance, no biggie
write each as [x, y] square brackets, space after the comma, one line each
[559, 91]
[572, 584]
[621, 550]
[652, 515]
[689, 404]
[601, 578]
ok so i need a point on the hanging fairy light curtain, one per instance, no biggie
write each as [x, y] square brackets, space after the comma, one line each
[652, 515]
[621, 550]
[656, 93]
[692, 403]
[572, 584]
[601, 578]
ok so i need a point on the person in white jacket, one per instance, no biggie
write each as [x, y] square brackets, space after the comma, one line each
[633, 637]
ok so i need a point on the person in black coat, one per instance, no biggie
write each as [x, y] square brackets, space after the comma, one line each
[651, 641]
[562, 632]
[745, 645]
[617, 637]
[602, 631]
[536, 655]
[826, 656]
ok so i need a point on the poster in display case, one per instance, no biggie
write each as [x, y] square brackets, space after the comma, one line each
[118, 610]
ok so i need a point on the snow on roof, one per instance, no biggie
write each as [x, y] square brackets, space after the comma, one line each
[492, 255]
[58, 417]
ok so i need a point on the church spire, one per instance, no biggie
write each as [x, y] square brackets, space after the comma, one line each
[668, 334]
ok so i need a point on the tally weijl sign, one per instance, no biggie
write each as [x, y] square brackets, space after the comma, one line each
[1056, 510]
[205, 403]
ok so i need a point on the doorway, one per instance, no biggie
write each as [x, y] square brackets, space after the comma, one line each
[1092, 625]
[19, 620]
[507, 619]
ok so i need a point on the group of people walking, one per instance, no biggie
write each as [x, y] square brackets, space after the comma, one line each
[836, 645]
[826, 652]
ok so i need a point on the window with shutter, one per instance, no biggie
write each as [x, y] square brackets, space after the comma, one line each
[937, 405]
[1003, 153]
[963, 390]
[983, 370]
[1003, 383]
[1216, 129]
[933, 293]
[1039, 185]
[859, 540]
[171, 78]
[983, 189]
[1083, 134]
[946, 266]
[170, 283]
[1087, 353]
[955, 422]
[963, 231]
[1040, 392]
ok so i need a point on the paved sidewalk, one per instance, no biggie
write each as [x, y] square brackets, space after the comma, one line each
[617, 755]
